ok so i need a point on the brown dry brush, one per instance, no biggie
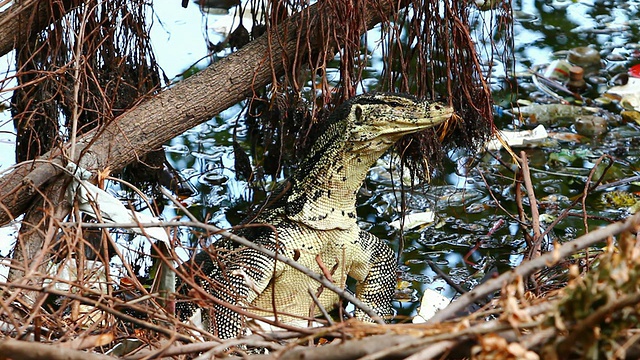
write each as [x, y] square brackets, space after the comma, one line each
[117, 69]
[73, 76]
[428, 51]
[592, 317]
[78, 73]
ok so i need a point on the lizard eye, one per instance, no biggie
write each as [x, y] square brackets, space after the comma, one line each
[358, 114]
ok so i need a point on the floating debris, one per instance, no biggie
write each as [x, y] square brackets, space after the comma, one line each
[558, 70]
[412, 221]
[432, 302]
[631, 116]
[591, 125]
[635, 71]
[621, 200]
[629, 94]
[586, 57]
[213, 178]
[177, 149]
[566, 157]
[518, 138]
[549, 113]
[566, 136]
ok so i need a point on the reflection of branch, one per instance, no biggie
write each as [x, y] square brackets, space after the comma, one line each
[527, 268]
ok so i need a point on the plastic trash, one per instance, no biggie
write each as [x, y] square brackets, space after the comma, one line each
[91, 197]
[629, 94]
[432, 302]
[586, 57]
[412, 221]
[518, 138]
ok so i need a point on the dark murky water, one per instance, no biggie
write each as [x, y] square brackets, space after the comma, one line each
[465, 211]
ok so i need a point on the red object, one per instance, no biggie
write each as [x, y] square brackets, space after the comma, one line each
[635, 71]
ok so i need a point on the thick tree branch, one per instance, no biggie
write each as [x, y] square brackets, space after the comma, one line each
[26, 350]
[182, 107]
[28, 17]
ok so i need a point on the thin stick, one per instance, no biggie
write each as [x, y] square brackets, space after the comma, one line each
[319, 305]
[28, 350]
[617, 183]
[198, 347]
[535, 251]
[97, 304]
[76, 86]
[524, 223]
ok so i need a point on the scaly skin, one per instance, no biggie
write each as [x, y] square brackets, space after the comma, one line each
[315, 217]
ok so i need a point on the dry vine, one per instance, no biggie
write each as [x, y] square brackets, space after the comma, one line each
[89, 66]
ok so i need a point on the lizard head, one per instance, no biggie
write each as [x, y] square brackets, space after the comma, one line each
[355, 135]
[379, 120]
[368, 125]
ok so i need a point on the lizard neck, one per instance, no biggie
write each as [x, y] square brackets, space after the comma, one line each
[325, 197]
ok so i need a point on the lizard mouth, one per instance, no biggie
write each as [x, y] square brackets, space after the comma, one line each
[408, 122]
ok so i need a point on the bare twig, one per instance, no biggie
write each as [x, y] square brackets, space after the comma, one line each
[497, 202]
[174, 350]
[78, 58]
[535, 250]
[445, 277]
[522, 216]
[617, 183]
[587, 189]
[99, 305]
[317, 303]
[433, 351]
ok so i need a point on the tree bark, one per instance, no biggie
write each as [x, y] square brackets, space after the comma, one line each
[25, 18]
[191, 102]
[39, 224]
[27, 350]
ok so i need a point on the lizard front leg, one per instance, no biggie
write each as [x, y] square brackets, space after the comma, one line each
[375, 272]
